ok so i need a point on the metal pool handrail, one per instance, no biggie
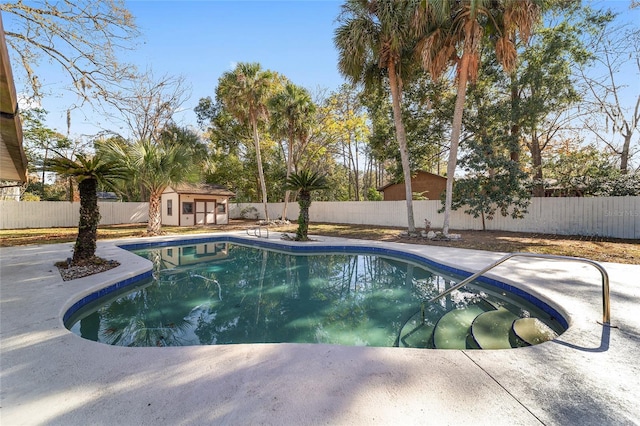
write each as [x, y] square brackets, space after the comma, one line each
[606, 315]
[257, 231]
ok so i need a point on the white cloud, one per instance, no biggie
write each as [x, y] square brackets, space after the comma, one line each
[26, 103]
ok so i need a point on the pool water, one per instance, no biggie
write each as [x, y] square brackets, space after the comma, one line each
[226, 293]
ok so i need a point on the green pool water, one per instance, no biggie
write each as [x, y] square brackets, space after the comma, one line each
[225, 293]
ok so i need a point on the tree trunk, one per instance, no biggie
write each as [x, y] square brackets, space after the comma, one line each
[402, 143]
[456, 131]
[357, 170]
[154, 225]
[536, 161]
[44, 164]
[85, 247]
[624, 156]
[289, 167]
[263, 185]
[514, 147]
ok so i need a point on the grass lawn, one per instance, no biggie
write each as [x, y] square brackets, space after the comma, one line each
[595, 248]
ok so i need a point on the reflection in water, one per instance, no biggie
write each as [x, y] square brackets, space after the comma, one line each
[221, 293]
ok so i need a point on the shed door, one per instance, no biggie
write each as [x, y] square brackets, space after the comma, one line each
[205, 212]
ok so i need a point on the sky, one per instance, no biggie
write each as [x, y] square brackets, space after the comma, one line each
[200, 40]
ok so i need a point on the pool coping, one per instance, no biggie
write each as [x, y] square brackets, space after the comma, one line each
[585, 376]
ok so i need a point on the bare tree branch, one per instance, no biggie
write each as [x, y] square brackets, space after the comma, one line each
[148, 107]
[614, 49]
[84, 38]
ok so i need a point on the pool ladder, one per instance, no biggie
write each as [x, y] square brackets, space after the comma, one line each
[606, 314]
[256, 231]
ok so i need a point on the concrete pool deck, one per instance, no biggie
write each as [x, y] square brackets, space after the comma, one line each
[590, 375]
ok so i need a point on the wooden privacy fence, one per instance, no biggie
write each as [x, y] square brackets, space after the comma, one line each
[49, 214]
[615, 217]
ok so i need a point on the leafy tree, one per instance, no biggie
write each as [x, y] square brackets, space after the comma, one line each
[224, 130]
[186, 138]
[453, 27]
[83, 38]
[345, 122]
[586, 171]
[127, 189]
[374, 37]
[291, 116]
[494, 180]
[245, 92]
[374, 195]
[305, 182]
[428, 107]
[543, 91]
[40, 142]
[233, 161]
[228, 170]
[154, 167]
[89, 172]
[319, 148]
[227, 162]
[426, 111]
[337, 183]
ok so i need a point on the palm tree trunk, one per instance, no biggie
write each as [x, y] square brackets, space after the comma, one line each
[304, 200]
[154, 224]
[402, 142]
[85, 247]
[456, 131]
[289, 167]
[263, 186]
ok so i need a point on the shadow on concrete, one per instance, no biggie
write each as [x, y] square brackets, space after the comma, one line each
[605, 339]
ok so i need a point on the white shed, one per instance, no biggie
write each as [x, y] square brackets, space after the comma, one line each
[195, 204]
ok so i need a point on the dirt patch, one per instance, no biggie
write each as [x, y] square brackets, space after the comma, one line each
[594, 248]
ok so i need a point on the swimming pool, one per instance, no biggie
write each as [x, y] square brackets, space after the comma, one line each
[223, 291]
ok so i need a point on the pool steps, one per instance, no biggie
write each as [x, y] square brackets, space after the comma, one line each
[477, 326]
[453, 328]
[492, 330]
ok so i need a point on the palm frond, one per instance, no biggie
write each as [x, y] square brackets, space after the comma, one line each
[306, 181]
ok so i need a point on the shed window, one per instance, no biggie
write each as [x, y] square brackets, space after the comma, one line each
[187, 208]
[169, 207]
[222, 208]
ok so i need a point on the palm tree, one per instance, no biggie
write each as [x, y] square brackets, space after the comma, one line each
[454, 27]
[245, 92]
[154, 167]
[89, 172]
[291, 112]
[376, 35]
[305, 182]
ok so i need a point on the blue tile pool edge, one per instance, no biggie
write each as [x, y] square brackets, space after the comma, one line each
[92, 297]
[403, 255]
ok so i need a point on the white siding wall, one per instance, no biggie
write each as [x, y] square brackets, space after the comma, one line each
[223, 218]
[174, 219]
[187, 219]
[617, 217]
